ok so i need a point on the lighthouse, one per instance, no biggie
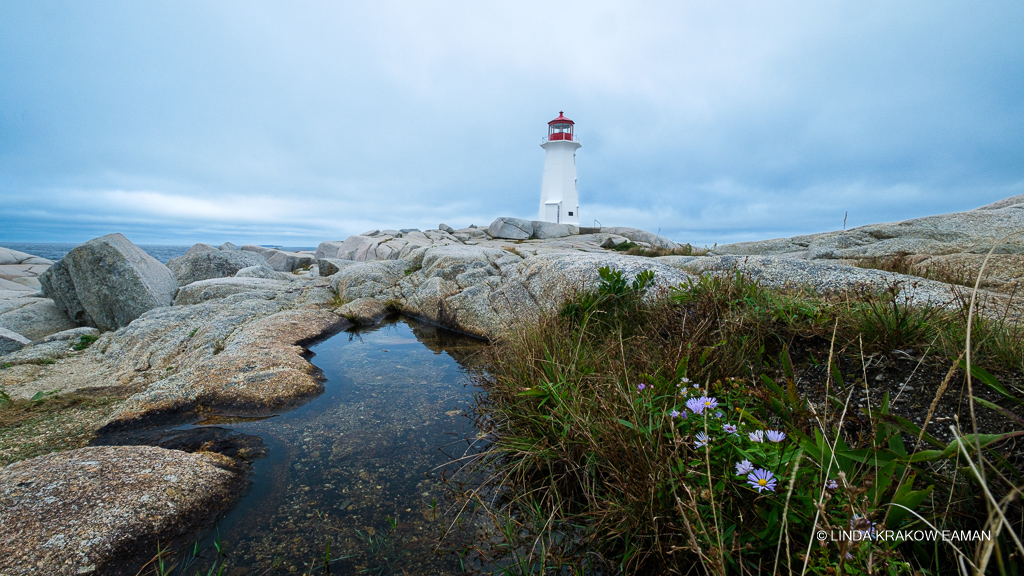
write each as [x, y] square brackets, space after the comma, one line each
[559, 199]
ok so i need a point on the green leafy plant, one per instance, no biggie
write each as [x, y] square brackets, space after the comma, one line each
[84, 342]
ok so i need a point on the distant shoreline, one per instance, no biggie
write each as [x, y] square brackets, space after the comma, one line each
[162, 252]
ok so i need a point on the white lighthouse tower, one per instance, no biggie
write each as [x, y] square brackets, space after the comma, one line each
[559, 199]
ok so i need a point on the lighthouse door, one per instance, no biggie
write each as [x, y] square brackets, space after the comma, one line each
[552, 212]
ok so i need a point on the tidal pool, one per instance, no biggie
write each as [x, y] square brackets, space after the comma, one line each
[360, 468]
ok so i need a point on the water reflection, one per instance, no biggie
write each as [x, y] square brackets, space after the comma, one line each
[360, 467]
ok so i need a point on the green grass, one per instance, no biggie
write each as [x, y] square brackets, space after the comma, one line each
[595, 471]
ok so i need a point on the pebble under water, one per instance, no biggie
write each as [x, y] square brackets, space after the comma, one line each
[359, 468]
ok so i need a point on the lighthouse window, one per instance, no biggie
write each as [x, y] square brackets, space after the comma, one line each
[570, 213]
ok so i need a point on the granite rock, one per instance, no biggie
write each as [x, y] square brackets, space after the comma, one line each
[212, 264]
[108, 282]
[11, 341]
[90, 510]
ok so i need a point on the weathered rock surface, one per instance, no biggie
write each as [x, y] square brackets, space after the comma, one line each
[290, 261]
[21, 269]
[31, 315]
[216, 288]
[545, 230]
[11, 341]
[199, 249]
[368, 279]
[331, 266]
[363, 311]
[971, 232]
[821, 276]
[638, 236]
[49, 349]
[328, 249]
[91, 509]
[108, 282]
[207, 264]
[510, 228]
[265, 271]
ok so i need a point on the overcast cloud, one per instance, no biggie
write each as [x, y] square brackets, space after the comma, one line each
[295, 122]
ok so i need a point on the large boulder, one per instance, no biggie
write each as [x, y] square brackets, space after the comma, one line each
[108, 282]
[510, 228]
[199, 248]
[328, 249]
[290, 261]
[368, 279]
[98, 509]
[209, 264]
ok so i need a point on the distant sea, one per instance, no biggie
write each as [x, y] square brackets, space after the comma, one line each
[163, 253]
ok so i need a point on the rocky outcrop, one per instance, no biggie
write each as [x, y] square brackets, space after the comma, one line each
[206, 264]
[971, 232]
[641, 236]
[216, 288]
[21, 269]
[283, 261]
[108, 282]
[51, 348]
[821, 276]
[488, 292]
[89, 510]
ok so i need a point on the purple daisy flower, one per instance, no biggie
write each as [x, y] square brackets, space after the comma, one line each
[702, 439]
[718, 414]
[674, 414]
[761, 479]
[775, 435]
[832, 485]
[744, 467]
[729, 428]
[640, 387]
[695, 405]
[709, 403]
[756, 436]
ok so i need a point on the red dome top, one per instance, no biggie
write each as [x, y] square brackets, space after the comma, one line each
[560, 119]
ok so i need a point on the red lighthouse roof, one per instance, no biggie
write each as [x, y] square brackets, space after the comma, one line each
[561, 119]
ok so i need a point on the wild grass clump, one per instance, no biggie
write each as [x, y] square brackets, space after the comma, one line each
[666, 433]
[902, 264]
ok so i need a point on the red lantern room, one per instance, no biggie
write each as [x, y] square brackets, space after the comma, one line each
[560, 128]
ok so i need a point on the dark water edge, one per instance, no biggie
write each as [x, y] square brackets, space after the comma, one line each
[56, 250]
[361, 468]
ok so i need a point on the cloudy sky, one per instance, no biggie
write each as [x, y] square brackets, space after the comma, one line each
[294, 122]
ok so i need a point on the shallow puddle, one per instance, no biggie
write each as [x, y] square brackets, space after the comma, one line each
[360, 468]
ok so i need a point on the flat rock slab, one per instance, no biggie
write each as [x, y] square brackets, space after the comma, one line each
[81, 511]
